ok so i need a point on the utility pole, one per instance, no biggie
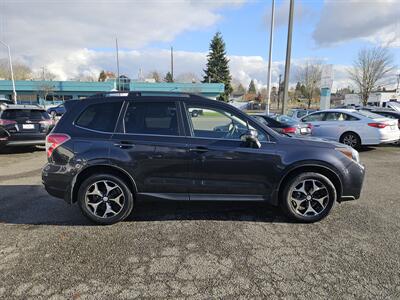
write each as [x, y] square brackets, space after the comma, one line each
[116, 48]
[11, 71]
[279, 89]
[172, 63]
[288, 55]
[271, 38]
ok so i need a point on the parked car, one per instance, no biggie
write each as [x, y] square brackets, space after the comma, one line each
[106, 153]
[298, 113]
[353, 128]
[283, 124]
[58, 110]
[23, 125]
[5, 101]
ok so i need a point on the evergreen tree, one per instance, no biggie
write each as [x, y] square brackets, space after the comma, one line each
[240, 89]
[217, 68]
[298, 87]
[252, 87]
[168, 77]
[102, 76]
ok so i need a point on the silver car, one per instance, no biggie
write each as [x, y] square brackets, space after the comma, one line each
[353, 128]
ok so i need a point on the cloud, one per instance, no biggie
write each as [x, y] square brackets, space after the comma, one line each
[342, 21]
[44, 30]
[243, 68]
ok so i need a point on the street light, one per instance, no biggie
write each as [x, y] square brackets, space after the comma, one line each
[11, 70]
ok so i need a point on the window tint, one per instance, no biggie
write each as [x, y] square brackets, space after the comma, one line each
[217, 123]
[261, 120]
[152, 118]
[368, 114]
[313, 117]
[101, 117]
[30, 114]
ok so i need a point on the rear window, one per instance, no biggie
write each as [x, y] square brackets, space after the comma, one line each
[368, 114]
[301, 113]
[100, 117]
[152, 118]
[26, 114]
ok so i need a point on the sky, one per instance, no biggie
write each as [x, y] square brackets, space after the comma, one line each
[77, 37]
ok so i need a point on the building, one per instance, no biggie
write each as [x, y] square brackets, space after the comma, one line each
[53, 92]
[375, 98]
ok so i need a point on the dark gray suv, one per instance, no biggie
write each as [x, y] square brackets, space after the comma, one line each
[109, 151]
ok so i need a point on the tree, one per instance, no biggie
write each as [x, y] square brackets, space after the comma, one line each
[252, 88]
[20, 70]
[168, 77]
[217, 68]
[240, 90]
[369, 68]
[102, 76]
[309, 75]
[154, 75]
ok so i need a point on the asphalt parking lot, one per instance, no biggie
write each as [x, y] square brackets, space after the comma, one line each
[198, 250]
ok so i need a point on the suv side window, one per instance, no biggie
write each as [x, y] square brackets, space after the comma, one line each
[100, 117]
[159, 118]
[313, 117]
[218, 123]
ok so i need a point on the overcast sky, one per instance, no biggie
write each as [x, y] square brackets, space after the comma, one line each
[73, 37]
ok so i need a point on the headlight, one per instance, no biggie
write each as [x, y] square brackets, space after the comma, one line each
[350, 153]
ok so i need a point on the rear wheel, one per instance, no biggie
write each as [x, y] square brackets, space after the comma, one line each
[308, 197]
[105, 199]
[351, 139]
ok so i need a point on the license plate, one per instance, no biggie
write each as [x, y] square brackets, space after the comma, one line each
[28, 126]
[303, 130]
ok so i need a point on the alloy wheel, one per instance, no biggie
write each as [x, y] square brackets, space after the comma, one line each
[104, 199]
[309, 197]
[350, 140]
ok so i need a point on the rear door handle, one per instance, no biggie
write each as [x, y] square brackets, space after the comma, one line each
[124, 145]
[198, 149]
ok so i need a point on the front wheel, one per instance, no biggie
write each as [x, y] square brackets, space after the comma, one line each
[105, 199]
[308, 197]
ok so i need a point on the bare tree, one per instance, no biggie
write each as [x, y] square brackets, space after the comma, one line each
[309, 75]
[155, 75]
[21, 71]
[369, 68]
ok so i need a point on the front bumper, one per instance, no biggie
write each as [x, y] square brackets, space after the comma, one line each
[352, 182]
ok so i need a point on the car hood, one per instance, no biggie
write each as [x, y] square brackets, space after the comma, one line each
[314, 142]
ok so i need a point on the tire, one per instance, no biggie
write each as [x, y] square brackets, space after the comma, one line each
[351, 139]
[103, 192]
[314, 204]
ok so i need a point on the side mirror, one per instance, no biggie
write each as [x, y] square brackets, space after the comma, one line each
[250, 139]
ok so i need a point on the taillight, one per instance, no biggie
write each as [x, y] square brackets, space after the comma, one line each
[289, 130]
[377, 125]
[309, 126]
[7, 122]
[54, 140]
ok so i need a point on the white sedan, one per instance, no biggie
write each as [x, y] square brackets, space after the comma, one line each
[353, 128]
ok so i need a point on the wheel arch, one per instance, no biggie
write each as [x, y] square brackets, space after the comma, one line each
[95, 169]
[330, 173]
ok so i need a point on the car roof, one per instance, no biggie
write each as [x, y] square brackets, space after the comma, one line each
[5, 106]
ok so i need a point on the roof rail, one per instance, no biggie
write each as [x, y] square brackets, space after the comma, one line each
[140, 94]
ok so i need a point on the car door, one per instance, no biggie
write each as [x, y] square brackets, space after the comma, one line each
[153, 148]
[222, 167]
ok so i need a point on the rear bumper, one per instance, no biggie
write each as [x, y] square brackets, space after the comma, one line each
[57, 181]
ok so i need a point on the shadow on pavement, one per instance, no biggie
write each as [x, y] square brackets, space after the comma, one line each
[30, 204]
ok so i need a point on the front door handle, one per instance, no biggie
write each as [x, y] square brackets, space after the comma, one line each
[124, 145]
[198, 149]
